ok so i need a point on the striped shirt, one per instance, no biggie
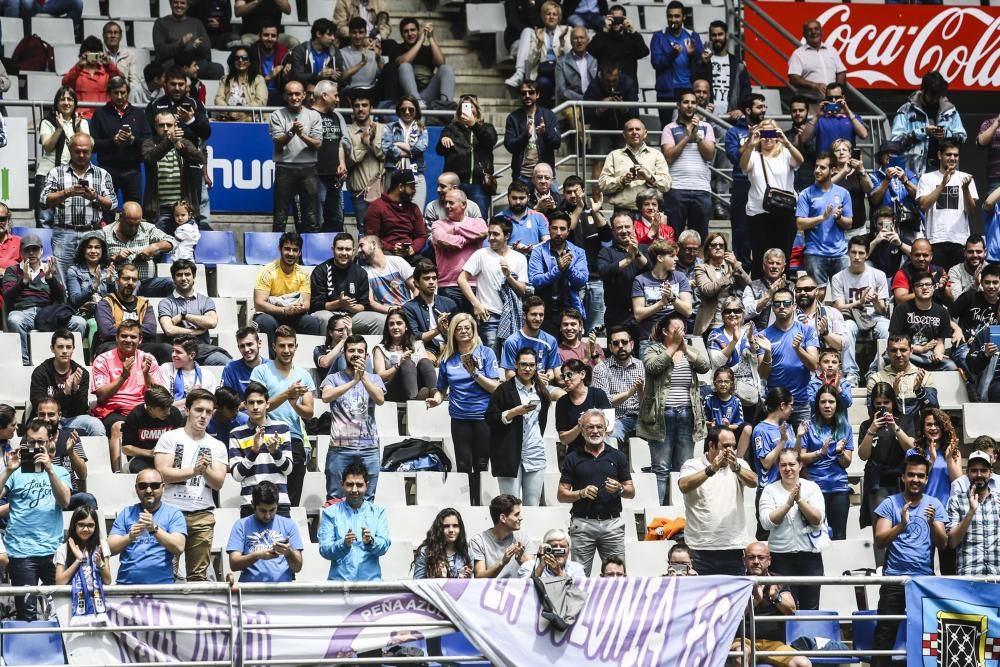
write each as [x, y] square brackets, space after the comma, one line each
[168, 176]
[979, 552]
[249, 469]
[77, 212]
[679, 391]
[615, 379]
[689, 170]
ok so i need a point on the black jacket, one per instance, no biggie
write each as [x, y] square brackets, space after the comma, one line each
[516, 137]
[104, 125]
[472, 152]
[505, 439]
[327, 282]
[626, 48]
[739, 78]
[196, 132]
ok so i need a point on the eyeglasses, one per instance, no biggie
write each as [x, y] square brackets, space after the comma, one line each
[732, 311]
[619, 343]
[151, 486]
[923, 286]
[782, 303]
[717, 245]
[407, 110]
[4, 218]
[36, 443]
[525, 93]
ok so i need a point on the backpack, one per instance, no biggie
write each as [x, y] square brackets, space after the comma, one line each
[415, 455]
[34, 54]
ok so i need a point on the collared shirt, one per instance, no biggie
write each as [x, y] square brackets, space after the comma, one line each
[532, 445]
[618, 163]
[581, 469]
[615, 378]
[359, 561]
[148, 234]
[195, 304]
[816, 64]
[582, 64]
[77, 212]
[979, 552]
[571, 569]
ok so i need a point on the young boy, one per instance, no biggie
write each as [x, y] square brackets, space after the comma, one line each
[829, 373]
[260, 450]
[189, 61]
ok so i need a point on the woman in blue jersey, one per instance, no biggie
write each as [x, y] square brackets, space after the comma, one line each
[937, 441]
[469, 373]
[827, 444]
[769, 437]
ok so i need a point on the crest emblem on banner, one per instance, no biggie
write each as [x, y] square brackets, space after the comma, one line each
[958, 638]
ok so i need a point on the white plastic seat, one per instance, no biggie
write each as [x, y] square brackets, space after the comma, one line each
[315, 568]
[43, 85]
[397, 562]
[113, 491]
[409, 523]
[646, 492]
[976, 420]
[391, 489]
[304, 352]
[225, 519]
[427, 423]
[236, 281]
[17, 380]
[535, 521]
[66, 55]
[12, 31]
[952, 394]
[54, 30]
[98, 455]
[387, 421]
[313, 491]
[437, 489]
[322, 9]
[228, 311]
[646, 559]
[40, 344]
[129, 9]
[142, 34]
[229, 495]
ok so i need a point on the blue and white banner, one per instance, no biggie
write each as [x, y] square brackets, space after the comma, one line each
[242, 169]
[952, 623]
[626, 622]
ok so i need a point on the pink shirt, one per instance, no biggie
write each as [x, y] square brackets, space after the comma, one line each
[107, 367]
[454, 243]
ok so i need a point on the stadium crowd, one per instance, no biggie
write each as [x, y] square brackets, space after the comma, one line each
[612, 309]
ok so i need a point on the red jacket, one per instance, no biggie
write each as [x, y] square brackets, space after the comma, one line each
[394, 223]
[90, 86]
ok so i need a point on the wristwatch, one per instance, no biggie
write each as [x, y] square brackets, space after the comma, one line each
[708, 471]
[154, 530]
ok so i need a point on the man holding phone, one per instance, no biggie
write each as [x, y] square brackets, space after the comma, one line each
[265, 546]
[835, 120]
[925, 119]
[119, 129]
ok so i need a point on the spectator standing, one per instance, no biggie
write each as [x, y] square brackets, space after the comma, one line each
[688, 144]
[395, 219]
[467, 146]
[576, 69]
[611, 85]
[404, 144]
[84, 556]
[921, 259]
[674, 53]
[187, 313]
[180, 33]
[80, 193]
[122, 375]
[67, 452]
[29, 288]
[530, 335]
[571, 340]
[517, 413]
[910, 524]
[331, 162]
[149, 535]
[119, 131]
[719, 276]
[619, 41]
[824, 211]
[580, 396]
[265, 546]
[589, 229]
[558, 272]
[36, 499]
[622, 378]
[62, 379]
[531, 135]
[493, 550]
[757, 296]
[137, 436]
[671, 415]
[173, 170]
[660, 291]
[468, 371]
[713, 486]
[291, 390]
[529, 227]
[834, 120]
[455, 238]
[923, 121]
[794, 353]
[895, 186]
[595, 479]
[421, 70]
[737, 142]
[814, 64]
[990, 140]
[363, 152]
[619, 264]
[90, 75]
[434, 211]
[58, 126]
[636, 167]
[236, 374]
[282, 293]
[151, 86]
[948, 198]
[353, 395]
[542, 197]
[260, 452]
[354, 534]
[192, 465]
[725, 73]
[297, 133]
[827, 447]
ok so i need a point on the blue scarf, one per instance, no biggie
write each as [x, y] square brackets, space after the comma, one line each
[179, 392]
[88, 589]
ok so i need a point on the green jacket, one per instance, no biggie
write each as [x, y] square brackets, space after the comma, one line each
[659, 369]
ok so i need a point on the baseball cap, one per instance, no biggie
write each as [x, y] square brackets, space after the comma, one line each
[982, 456]
[31, 241]
[402, 177]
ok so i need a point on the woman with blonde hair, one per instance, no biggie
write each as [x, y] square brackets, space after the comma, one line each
[850, 173]
[469, 373]
[538, 50]
[770, 163]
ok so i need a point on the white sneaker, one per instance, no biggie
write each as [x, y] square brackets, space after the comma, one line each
[515, 79]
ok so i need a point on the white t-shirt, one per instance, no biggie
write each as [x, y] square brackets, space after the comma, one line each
[779, 175]
[193, 494]
[792, 534]
[721, 82]
[715, 518]
[62, 553]
[947, 221]
[485, 266]
[848, 286]
[189, 378]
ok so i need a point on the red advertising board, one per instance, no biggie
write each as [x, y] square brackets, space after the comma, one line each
[886, 46]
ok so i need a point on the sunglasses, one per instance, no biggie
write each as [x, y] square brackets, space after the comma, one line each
[805, 290]
[716, 245]
[783, 303]
[152, 486]
[4, 218]
[732, 311]
[244, 58]
[618, 343]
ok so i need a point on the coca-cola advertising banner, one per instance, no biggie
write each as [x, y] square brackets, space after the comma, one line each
[886, 46]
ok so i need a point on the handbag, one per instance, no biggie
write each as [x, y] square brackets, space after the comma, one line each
[776, 200]
[489, 181]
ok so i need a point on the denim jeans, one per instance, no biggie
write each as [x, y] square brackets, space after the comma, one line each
[922, 360]
[158, 287]
[488, 332]
[338, 458]
[360, 208]
[28, 572]
[689, 209]
[440, 87]
[527, 486]
[837, 505]
[84, 425]
[823, 269]
[593, 303]
[592, 20]
[22, 322]
[801, 411]
[454, 293]
[303, 324]
[850, 354]
[64, 244]
[477, 193]
[624, 428]
[676, 447]
[330, 209]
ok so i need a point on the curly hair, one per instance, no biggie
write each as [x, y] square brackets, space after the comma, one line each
[949, 439]
[435, 547]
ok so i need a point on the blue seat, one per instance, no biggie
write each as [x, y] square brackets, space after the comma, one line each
[216, 248]
[44, 233]
[863, 631]
[828, 629]
[260, 247]
[317, 248]
[457, 644]
[33, 649]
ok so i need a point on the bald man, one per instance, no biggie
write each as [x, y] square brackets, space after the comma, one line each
[543, 197]
[448, 180]
[132, 239]
[79, 192]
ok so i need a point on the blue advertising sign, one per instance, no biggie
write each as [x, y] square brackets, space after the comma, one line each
[239, 157]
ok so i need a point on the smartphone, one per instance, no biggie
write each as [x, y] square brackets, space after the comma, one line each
[84, 183]
[28, 460]
[680, 570]
[831, 107]
[880, 412]
[995, 334]
[467, 108]
[617, 20]
[856, 154]
[768, 134]
[406, 246]
[534, 402]
[92, 57]
[898, 161]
